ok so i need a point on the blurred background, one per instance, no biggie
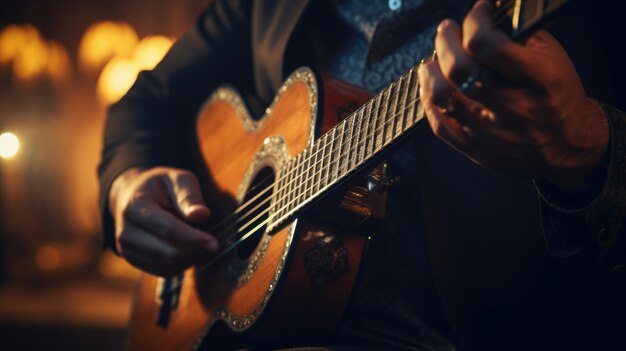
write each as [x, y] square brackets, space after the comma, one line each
[61, 64]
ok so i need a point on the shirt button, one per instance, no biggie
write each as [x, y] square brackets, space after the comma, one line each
[394, 4]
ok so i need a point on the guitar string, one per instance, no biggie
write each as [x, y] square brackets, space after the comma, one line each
[247, 235]
[206, 265]
[292, 171]
[244, 237]
[325, 158]
[266, 181]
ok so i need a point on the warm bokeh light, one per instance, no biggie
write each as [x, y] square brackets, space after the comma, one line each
[104, 40]
[13, 38]
[32, 56]
[59, 66]
[31, 60]
[120, 73]
[116, 78]
[150, 51]
[9, 145]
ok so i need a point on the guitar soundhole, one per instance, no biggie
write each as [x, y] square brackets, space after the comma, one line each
[253, 217]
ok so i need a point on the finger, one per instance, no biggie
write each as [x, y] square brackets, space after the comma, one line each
[187, 196]
[438, 91]
[434, 88]
[455, 64]
[167, 226]
[493, 48]
[441, 125]
[445, 128]
[152, 254]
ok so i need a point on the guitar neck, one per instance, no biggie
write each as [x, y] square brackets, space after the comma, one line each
[378, 124]
[348, 147]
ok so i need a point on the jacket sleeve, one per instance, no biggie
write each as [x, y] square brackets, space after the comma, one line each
[599, 226]
[150, 125]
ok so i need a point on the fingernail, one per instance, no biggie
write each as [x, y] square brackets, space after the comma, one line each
[212, 246]
[196, 208]
[442, 25]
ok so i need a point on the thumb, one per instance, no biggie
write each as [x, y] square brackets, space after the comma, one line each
[186, 195]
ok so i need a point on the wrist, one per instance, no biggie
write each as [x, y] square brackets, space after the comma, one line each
[579, 172]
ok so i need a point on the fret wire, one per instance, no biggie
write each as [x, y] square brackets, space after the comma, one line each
[323, 164]
[358, 118]
[411, 90]
[388, 135]
[291, 184]
[406, 78]
[345, 142]
[314, 159]
[362, 137]
[383, 118]
[303, 178]
[273, 219]
[369, 140]
[418, 109]
[348, 156]
[333, 153]
[341, 137]
[318, 165]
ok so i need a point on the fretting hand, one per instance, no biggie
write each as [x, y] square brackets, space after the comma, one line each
[530, 114]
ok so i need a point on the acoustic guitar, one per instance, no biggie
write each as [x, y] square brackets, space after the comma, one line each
[294, 197]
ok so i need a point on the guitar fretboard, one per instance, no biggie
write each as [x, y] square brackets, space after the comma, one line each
[346, 147]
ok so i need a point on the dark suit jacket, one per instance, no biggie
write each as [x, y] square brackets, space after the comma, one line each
[487, 279]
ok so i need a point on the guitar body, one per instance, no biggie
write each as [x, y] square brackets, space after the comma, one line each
[286, 288]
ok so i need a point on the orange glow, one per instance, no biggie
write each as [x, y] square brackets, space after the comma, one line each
[31, 56]
[59, 66]
[31, 61]
[150, 51]
[48, 258]
[120, 73]
[9, 145]
[103, 41]
[116, 78]
[13, 38]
